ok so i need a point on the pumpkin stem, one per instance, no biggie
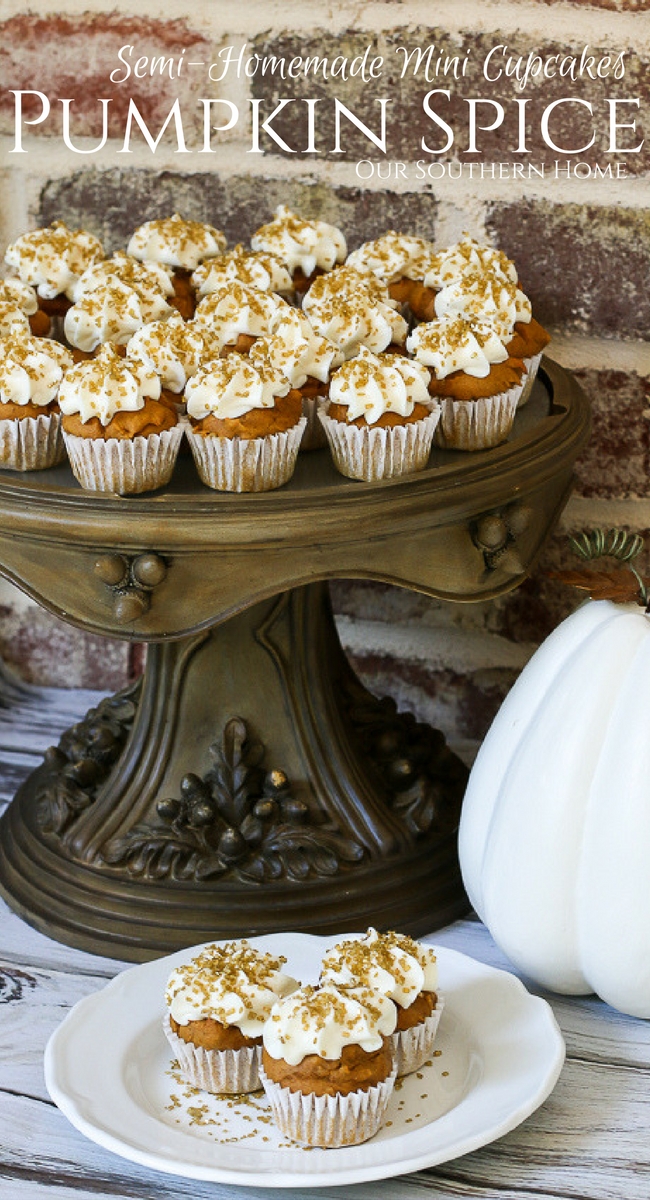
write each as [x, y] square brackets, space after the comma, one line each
[613, 543]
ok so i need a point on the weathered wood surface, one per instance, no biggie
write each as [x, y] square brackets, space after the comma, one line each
[589, 1141]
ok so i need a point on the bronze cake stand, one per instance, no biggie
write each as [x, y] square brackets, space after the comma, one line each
[248, 782]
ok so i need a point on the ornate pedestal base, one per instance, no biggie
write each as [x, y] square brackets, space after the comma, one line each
[249, 783]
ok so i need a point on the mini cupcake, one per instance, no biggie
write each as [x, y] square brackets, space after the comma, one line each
[112, 313]
[31, 371]
[180, 244]
[327, 1064]
[307, 360]
[245, 424]
[380, 419]
[407, 973]
[475, 380]
[232, 318]
[118, 435]
[20, 298]
[254, 268]
[400, 261]
[52, 259]
[306, 248]
[492, 299]
[174, 349]
[217, 1005]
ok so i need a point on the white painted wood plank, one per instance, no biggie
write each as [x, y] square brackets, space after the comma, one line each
[24, 946]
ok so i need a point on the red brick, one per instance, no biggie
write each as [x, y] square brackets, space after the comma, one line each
[616, 461]
[73, 57]
[47, 651]
[585, 267]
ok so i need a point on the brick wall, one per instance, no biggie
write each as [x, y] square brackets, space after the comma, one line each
[582, 243]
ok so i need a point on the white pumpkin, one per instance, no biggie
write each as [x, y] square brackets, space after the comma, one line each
[555, 828]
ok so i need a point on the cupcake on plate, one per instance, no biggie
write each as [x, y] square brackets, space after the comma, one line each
[52, 259]
[232, 318]
[474, 379]
[118, 435]
[327, 1064]
[174, 349]
[245, 424]
[254, 268]
[380, 419]
[306, 359]
[406, 972]
[20, 298]
[31, 371]
[400, 261]
[491, 298]
[112, 312]
[217, 1005]
[181, 245]
[306, 248]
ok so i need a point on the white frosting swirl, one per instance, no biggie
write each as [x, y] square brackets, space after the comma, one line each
[173, 349]
[487, 298]
[229, 387]
[343, 282]
[176, 242]
[454, 344]
[236, 309]
[371, 385]
[394, 256]
[392, 963]
[31, 369]
[468, 256]
[325, 1020]
[234, 984]
[20, 295]
[143, 277]
[301, 244]
[294, 348]
[252, 267]
[105, 385]
[12, 319]
[112, 313]
[355, 320]
[51, 259]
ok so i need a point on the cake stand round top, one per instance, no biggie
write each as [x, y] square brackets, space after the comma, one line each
[169, 562]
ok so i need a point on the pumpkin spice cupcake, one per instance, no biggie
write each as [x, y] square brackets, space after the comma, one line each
[245, 424]
[474, 379]
[217, 1005]
[406, 972]
[174, 349]
[181, 245]
[52, 259]
[112, 312]
[400, 261]
[306, 248]
[31, 371]
[233, 317]
[118, 435]
[327, 1064]
[380, 419]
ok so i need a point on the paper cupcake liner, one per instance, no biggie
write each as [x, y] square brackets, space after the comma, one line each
[31, 443]
[476, 424]
[328, 1121]
[219, 1071]
[376, 453]
[314, 437]
[124, 465]
[532, 367]
[412, 1047]
[241, 465]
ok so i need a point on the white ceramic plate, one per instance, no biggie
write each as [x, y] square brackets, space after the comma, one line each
[108, 1068]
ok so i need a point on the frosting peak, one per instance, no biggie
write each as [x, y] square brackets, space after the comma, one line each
[31, 369]
[255, 268]
[229, 387]
[455, 344]
[394, 256]
[393, 963]
[325, 1020]
[111, 313]
[373, 384]
[234, 984]
[176, 242]
[301, 244]
[52, 258]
